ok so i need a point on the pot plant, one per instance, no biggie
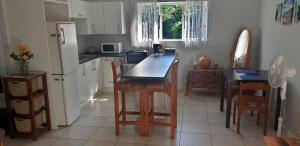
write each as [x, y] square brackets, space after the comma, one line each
[23, 55]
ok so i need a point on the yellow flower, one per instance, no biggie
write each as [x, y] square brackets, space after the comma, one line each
[23, 48]
[25, 57]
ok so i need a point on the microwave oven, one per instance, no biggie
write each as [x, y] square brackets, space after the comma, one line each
[111, 48]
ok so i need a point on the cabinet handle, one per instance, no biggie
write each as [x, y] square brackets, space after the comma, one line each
[62, 35]
[93, 28]
[118, 28]
[83, 70]
[56, 79]
[80, 15]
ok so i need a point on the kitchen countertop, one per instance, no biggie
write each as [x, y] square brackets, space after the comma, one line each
[86, 57]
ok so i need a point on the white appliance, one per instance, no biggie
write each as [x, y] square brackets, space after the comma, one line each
[111, 48]
[62, 41]
[278, 73]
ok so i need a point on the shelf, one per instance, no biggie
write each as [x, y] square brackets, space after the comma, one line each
[28, 116]
[36, 94]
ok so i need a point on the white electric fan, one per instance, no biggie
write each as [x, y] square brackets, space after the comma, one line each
[278, 73]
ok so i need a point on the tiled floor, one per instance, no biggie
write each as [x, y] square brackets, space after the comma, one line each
[200, 123]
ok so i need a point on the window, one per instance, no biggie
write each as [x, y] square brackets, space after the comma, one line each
[170, 21]
[171, 15]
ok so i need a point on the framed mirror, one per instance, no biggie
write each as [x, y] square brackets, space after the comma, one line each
[241, 53]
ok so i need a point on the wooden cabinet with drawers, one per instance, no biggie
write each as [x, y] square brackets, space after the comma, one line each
[27, 103]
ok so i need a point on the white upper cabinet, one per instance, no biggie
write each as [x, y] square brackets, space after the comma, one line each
[107, 17]
[77, 8]
[113, 18]
[95, 17]
[57, 1]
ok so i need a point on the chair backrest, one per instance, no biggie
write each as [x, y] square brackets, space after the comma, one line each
[117, 68]
[253, 88]
[174, 74]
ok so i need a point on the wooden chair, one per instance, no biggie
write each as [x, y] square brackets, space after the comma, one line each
[123, 85]
[2, 135]
[170, 88]
[249, 101]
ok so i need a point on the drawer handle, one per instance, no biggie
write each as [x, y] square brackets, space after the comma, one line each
[18, 101]
[20, 120]
[15, 82]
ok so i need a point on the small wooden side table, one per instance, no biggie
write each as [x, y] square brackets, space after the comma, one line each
[26, 103]
[203, 78]
[280, 141]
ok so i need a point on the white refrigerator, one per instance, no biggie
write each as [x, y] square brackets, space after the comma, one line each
[62, 41]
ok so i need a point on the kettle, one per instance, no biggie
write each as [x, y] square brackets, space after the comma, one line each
[157, 48]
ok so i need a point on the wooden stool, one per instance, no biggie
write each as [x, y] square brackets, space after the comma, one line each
[123, 85]
[248, 101]
[170, 88]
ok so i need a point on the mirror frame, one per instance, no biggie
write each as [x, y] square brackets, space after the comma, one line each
[247, 62]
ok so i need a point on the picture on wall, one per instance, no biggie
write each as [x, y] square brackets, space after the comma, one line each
[287, 12]
[297, 11]
[278, 13]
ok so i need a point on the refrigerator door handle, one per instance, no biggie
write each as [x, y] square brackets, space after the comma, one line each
[63, 39]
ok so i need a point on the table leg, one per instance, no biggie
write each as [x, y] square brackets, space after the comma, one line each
[222, 93]
[228, 101]
[144, 113]
[278, 106]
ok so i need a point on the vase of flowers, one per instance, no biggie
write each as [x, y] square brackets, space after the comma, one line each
[23, 55]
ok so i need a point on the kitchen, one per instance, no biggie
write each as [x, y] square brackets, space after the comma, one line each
[78, 44]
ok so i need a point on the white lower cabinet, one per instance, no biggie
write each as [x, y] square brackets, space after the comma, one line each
[107, 74]
[90, 79]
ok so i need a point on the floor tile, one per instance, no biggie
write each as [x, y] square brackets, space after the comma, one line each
[132, 136]
[253, 141]
[226, 140]
[195, 127]
[219, 128]
[163, 138]
[130, 144]
[98, 143]
[195, 107]
[56, 133]
[68, 142]
[193, 139]
[104, 134]
[217, 117]
[194, 116]
[77, 132]
[94, 121]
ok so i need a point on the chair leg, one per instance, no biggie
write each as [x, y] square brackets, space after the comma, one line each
[238, 121]
[116, 100]
[266, 115]
[258, 118]
[123, 107]
[252, 113]
[175, 108]
[151, 107]
[234, 113]
[172, 119]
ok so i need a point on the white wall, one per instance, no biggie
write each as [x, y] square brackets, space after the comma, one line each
[276, 38]
[25, 21]
[229, 17]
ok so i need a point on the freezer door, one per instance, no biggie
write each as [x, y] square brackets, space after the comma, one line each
[58, 95]
[71, 97]
[68, 47]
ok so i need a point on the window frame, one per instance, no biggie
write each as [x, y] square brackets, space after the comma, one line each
[160, 27]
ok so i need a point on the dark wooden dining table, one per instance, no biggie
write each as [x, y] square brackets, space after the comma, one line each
[153, 67]
[230, 79]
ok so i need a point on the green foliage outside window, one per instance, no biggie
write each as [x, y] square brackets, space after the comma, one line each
[172, 21]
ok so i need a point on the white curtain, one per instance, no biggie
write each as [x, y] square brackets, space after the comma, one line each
[196, 23]
[144, 27]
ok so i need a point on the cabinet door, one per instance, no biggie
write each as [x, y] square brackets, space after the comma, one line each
[112, 17]
[99, 72]
[96, 17]
[82, 84]
[79, 9]
[107, 72]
